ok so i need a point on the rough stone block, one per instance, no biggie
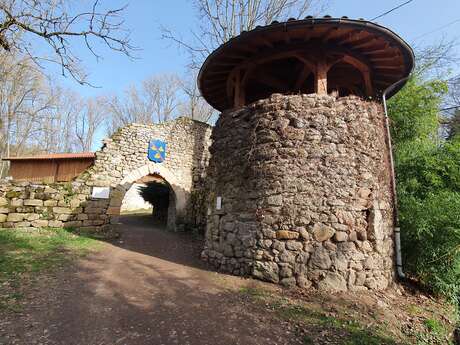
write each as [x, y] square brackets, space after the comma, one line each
[303, 282]
[22, 224]
[288, 282]
[65, 217]
[268, 271]
[40, 223]
[341, 236]
[287, 235]
[321, 259]
[287, 257]
[16, 203]
[63, 203]
[3, 218]
[294, 245]
[322, 232]
[15, 217]
[50, 203]
[32, 216]
[73, 224]
[3, 201]
[333, 282]
[62, 210]
[55, 224]
[33, 202]
[4, 210]
[74, 203]
[50, 190]
[304, 234]
[82, 216]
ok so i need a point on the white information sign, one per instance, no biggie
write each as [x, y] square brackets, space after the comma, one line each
[101, 192]
[219, 203]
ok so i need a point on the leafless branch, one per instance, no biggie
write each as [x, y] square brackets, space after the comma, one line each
[220, 20]
[23, 21]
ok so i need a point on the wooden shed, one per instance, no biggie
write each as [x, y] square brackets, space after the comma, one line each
[58, 167]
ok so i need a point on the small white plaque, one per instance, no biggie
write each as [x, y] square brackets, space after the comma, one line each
[219, 203]
[101, 192]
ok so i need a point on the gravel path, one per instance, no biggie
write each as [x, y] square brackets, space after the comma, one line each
[149, 287]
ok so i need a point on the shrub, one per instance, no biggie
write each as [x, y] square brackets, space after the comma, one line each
[431, 240]
[428, 185]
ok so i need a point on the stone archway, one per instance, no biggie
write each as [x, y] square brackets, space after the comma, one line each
[178, 195]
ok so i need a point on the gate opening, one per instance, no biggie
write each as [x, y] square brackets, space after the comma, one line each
[151, 195]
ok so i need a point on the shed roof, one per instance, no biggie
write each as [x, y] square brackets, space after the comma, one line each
[388, 57]
[54, 156]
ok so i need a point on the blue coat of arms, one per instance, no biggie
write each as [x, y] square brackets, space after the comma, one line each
[157, 151]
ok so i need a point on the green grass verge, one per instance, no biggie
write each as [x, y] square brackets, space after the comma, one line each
[25, 252]
[351, 331]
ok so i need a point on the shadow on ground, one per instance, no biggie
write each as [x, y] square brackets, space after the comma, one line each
[142, 234]
[150, 287]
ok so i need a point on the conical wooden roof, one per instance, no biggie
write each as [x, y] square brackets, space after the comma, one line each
[303, 56]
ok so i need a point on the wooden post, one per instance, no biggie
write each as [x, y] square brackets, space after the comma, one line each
[321, 78]
[368, 83]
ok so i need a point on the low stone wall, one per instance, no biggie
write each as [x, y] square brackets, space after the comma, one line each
[25, 204]
[306, 197]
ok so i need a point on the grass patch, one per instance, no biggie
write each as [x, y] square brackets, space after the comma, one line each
[345, 330]
[434, 333]
[414, 310]
[362, 328]
[24, 252]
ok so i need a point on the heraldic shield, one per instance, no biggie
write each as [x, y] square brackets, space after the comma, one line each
[157, 151]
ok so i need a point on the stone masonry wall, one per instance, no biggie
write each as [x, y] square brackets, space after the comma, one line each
[26, 204]
[305, 187]
[120, 163]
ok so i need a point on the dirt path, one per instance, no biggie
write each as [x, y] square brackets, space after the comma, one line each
[149, 287]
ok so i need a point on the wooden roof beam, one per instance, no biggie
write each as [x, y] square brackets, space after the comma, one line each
[327, 35]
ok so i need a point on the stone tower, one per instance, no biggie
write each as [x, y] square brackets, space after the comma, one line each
[300, 176]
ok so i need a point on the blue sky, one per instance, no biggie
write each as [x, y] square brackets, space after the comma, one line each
[143, 17]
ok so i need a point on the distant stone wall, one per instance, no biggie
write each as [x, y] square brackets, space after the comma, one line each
[26, 204]
[120, 163]
[306, 197]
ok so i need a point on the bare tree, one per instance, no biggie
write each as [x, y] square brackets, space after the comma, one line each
[133, 107]
[155, 101]
[450, 120]
[194, 105]
[57, 132]
[23, 102]
[220, 20]
[436, 60]
[57, 24]
[162, 91]
[88, 121]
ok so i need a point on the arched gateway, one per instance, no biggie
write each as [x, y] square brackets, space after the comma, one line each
[124, 159]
